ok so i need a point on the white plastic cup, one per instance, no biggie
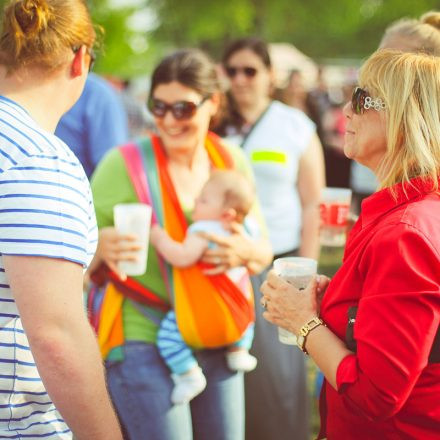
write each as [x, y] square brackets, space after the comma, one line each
[297, 271]
[334, 209]
[134, 219]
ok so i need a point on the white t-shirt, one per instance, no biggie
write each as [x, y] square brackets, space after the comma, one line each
[274, 148]
[46, 209]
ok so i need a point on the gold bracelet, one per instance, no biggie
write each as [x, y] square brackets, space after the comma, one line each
[305, 330]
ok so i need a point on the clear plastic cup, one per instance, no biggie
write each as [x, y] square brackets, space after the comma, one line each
[134, 219]
[334, 210]
[298, 271]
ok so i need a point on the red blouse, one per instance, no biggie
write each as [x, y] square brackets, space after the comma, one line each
[391, 271]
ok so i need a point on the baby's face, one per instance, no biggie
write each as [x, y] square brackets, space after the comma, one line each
[209, 205]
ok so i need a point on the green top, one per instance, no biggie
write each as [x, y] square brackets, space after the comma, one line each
[111, 185]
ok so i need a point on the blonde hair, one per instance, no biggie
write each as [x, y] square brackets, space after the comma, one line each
[409, 83]
[39, 33]
[421, 35]
[238, 191]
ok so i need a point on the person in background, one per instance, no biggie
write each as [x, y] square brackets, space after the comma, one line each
[140, 121]
[295, 93]
[286, 156]
[329, 122]
[52, 381]
[337, 165]
[226, 197]
[184, 97]
[408, 35]
[319, 103]
[97, 122]
[376, 333]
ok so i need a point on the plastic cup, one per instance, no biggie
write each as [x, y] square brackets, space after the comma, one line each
[297, 271]
[334, 210]
[134, 219]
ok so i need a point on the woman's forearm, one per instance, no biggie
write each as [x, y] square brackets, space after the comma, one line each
[311, 180]
[259, 255]
[327, 351]
[310, 232]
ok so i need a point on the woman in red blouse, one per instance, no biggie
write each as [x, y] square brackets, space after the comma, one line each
[376, 333]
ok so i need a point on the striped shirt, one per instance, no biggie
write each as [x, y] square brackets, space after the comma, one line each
[46, 210]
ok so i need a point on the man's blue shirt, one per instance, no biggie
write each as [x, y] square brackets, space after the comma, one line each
[95, 124]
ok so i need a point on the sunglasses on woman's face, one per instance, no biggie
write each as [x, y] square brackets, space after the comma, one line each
[181, 110]
[249, 72]
[361, 101]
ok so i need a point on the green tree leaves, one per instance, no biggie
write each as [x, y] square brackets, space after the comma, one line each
[322, 29]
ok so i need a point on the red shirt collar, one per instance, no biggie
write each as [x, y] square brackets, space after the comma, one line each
[383, 201]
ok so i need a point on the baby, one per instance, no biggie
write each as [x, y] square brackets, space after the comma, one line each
[225, 198]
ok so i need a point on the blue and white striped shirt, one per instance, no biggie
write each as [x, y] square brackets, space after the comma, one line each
[46, 209]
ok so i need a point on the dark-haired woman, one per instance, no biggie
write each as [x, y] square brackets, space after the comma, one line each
[50, 374]
[184, 96]
[286, 157]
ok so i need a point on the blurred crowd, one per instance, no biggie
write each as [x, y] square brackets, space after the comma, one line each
[321, 99]
[231, 167]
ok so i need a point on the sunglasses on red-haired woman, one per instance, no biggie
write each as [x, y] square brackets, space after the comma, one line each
[90, 52]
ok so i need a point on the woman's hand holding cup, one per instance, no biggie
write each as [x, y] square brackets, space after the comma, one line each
[289, 307]
[114, 247]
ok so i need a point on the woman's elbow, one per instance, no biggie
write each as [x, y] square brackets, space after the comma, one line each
[257, 265]
[380, 408]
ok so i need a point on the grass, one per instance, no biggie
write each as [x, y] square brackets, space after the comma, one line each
[330, 260]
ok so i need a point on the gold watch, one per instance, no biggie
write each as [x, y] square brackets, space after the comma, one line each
[305, 330]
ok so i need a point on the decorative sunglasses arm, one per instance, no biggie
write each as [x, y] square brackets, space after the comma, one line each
[377, 104]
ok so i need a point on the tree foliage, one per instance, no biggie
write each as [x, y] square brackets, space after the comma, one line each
[119, 54]
[320, 28]
[323, 29]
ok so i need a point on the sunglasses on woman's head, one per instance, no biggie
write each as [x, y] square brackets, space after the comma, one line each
[361, 101]
[181, 110]
[249, 72]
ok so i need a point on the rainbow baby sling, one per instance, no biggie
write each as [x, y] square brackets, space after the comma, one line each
[211, 311]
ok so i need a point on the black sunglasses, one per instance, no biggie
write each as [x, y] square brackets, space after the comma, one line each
[181, 110]
[249, 72]
[91, 53]
[361, 101]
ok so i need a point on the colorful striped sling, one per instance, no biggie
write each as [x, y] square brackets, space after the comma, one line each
[211, 311]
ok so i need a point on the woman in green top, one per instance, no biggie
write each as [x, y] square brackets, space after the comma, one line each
[184, 97]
